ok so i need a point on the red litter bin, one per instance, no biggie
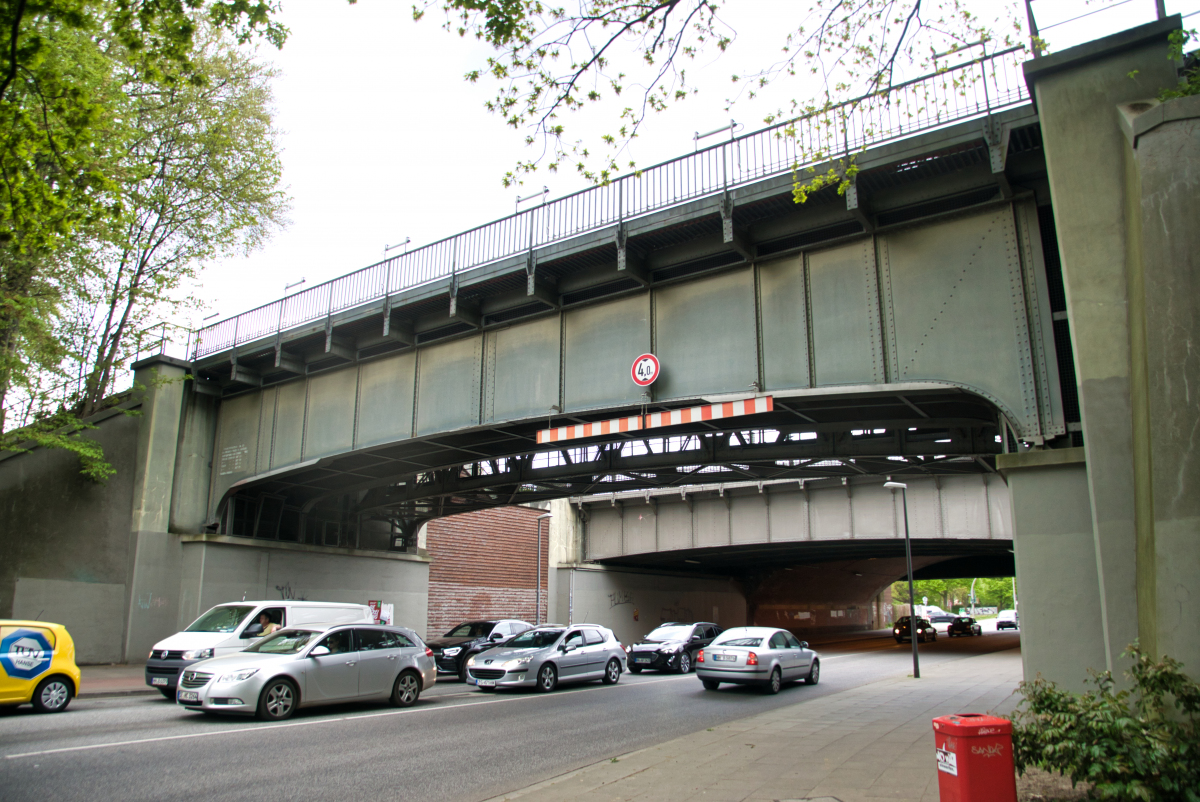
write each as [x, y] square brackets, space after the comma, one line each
[974, 758]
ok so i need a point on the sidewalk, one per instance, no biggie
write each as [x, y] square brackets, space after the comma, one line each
[114, 680]
[868, 743]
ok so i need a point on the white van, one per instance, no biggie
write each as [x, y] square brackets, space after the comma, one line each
[232, 627]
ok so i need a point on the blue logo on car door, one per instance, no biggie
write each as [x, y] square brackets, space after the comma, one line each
[25, 654]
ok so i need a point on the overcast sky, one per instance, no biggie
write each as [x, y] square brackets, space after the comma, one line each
[383, 139]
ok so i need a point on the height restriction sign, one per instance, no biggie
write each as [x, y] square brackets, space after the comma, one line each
[645, 370]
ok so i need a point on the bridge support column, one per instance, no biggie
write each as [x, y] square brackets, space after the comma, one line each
[156, 556]
[1128, 245]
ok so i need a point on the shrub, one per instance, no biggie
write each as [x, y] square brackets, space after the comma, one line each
[1140, 743]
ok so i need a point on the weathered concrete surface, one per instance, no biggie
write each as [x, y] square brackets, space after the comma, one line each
[1055, 549]
[66, 538]
[1077, 93]
[1168, 164]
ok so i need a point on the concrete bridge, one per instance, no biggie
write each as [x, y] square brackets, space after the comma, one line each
[1000, 304]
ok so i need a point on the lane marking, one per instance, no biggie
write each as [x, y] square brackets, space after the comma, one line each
[262, 727]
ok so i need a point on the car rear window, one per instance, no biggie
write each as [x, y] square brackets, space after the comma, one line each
[751, 642]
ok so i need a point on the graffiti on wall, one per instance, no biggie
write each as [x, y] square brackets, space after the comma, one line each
[619, 597]
[146, 601]
[287, 594]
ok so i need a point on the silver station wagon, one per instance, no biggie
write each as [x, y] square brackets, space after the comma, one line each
[757, 655]
[544, 656]
[311, 665]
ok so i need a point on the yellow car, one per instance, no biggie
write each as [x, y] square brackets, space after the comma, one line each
[37, 664]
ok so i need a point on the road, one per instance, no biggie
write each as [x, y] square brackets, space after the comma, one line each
[456, 743]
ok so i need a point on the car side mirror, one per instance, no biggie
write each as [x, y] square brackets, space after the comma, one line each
[567, 647]
[497, 636]
[252, 631]
[803, 644]
[319, 651]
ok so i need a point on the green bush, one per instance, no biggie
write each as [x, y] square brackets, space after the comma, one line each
[1140, 743]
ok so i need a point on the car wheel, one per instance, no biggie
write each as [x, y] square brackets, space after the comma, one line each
[710, 684]
[814, 673]
[52, 695]
[775, 683]
[685, 663]
[612, 672]
[899, 640]
[407, 690]
[167, 693]
[547, 678]
[634, 669]
[462, 669]
[277, 701]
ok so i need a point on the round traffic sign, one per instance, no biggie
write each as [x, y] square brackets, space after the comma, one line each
[645, 370]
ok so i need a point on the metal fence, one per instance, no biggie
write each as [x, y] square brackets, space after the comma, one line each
[972, 89]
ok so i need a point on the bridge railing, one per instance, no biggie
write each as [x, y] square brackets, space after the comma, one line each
[971, 89]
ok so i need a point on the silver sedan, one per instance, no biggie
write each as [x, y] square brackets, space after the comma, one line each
[757, 655]
[544, 656]
[311, 665]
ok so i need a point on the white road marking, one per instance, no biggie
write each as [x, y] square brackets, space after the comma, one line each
[262, 727]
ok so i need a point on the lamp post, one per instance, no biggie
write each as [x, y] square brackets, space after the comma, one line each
[912, 596]
[537, 613]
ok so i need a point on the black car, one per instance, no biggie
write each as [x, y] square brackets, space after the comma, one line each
[964, 625]
[671, 647]
[925, 630]
[450, 652]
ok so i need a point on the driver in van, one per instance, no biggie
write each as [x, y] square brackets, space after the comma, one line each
[268, 626]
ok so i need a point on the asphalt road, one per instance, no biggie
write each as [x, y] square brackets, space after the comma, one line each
[456, 743]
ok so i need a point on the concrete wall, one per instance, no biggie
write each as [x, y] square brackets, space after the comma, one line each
[632, 603]
[220, 569]
[1059, 601]
[66, 540]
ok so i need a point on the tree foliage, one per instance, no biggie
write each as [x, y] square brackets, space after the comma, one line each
[551, 60]
[135, 142]
[951, 594]
[1138, 743]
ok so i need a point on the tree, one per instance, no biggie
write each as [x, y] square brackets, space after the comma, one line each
[134, 149]
[549, 61]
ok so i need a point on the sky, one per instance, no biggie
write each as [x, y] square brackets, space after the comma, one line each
[382, 139]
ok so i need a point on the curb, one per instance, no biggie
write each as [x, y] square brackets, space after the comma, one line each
[109, 694]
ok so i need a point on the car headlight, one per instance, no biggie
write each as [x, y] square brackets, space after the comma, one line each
[512, 665]
[471, 660]
[198, 654]
[239, 676]
[451, 651]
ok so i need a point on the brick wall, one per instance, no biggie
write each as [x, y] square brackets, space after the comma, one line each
[485, 566]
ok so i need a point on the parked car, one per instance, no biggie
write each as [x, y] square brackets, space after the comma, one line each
[671, 647]
[1007, 619]
[925, 630]
[545, 656]
[942, 620]
[757, 655]
[311, 665]
[229, 628]
[964, 625]
[469, 638]
[37, 665]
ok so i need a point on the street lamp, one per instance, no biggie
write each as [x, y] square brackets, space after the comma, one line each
[912, 596]
[537, 613]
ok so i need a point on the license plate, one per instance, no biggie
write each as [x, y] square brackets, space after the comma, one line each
[641, 659]
[725, 658]
[486, 683]
[189, 696]
[158, 680]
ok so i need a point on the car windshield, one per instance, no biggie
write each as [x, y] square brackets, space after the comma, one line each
[670, 633]
[535, 639]
[740, 642]
[471, 629]
[285, 641]
[221, 619]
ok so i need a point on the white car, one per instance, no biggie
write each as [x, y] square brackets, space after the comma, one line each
[1007, 620]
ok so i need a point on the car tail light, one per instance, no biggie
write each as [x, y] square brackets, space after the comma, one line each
[752, 659]
[700, 657]
[428, 652]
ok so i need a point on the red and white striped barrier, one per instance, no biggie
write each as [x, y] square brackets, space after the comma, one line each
[590, 429]
[730, 409]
